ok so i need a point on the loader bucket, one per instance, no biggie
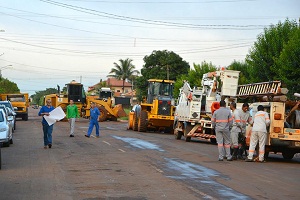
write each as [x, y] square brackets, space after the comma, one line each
[118, 109]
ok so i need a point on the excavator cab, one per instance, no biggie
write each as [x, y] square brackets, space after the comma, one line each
[75, 92]
[159, 89]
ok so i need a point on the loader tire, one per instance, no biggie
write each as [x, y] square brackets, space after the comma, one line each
[143, 121]
[135, 122]
[103, 113]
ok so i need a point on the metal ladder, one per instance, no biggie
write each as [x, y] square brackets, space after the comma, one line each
[263, 88]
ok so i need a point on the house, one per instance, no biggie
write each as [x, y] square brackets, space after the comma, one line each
[116, 86]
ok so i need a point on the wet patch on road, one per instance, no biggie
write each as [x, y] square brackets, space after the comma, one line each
[201, 178]
[141, 144]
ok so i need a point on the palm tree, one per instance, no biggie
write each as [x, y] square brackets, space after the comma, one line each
[123, 71]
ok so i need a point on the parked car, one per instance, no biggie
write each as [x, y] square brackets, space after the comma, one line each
[6, 135]
[9, 116]
[9, 105]
[35, 106]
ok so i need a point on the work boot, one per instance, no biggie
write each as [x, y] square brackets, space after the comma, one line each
[234, 154]
[240, 154]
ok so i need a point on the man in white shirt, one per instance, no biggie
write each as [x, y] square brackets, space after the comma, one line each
[259, 134]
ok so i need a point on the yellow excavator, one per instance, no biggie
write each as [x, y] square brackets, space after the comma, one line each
[157, 111]
[75, 91]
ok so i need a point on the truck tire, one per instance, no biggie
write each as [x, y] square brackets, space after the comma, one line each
[103, 113]
[143, 121]
[25, 117]
[213, 140]
[288, 155]
[177, 134]
[186, 130]
[135, 122]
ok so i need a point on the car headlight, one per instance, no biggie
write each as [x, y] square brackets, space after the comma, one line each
[2, 129]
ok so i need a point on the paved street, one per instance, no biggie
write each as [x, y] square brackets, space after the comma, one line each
[123, 164]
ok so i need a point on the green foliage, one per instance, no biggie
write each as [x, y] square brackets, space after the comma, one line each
[7, 86]
[268, 47]
[123, 71]
[244, 77]
[194, 77]
[288, 64]
[38, 97]
[164, 65]
[161, 65]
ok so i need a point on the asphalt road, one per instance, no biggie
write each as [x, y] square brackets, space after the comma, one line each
[123, 164]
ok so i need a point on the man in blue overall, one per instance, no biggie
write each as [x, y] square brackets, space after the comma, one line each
[46, 128]
[94, 118]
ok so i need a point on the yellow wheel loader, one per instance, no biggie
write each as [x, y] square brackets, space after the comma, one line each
[76, 92]
[156, 113]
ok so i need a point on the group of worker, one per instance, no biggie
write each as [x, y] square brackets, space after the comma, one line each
[71, 115]
[230, 128]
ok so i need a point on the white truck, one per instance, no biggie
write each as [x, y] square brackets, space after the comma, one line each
[195, 106]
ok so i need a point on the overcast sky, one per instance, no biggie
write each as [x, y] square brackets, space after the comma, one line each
[45, 43]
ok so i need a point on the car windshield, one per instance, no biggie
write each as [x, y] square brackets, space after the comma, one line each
[1, 117]
[5, 104]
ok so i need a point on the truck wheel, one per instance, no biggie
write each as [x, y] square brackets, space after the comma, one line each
[178, 135]
[103, 113]
[213, 140]
[186, 130]
[143, 121]
[288, 155]
[25, 117]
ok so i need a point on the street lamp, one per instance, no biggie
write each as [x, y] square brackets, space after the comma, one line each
[2, 68]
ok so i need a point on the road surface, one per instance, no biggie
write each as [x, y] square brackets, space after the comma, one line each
[123, 164]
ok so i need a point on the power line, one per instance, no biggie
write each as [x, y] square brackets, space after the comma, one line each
[153, 22]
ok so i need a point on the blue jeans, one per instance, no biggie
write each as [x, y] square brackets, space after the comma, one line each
[91, 126]
[47, 134]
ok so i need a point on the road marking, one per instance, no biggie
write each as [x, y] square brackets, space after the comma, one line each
[206, 196]
[159, 170]
[92, 136]
[106, 143]
[122, 150]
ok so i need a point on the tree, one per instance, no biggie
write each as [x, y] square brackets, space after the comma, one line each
[244, 76]
[268, 47]
[7, 86]
[288, 64]
[164, 65]
[123, 71]
[194, 76]
[38, 97]
[161, 65]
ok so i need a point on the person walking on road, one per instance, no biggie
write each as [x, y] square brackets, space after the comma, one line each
[221, 122]
[72, 114]
[94, 118]
[46, 128]
[259, 134]
[235, 130]
[245, 118]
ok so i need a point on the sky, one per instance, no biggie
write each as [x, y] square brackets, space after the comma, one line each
[45, 43]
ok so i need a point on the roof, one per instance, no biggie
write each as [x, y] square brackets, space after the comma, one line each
[113, 82]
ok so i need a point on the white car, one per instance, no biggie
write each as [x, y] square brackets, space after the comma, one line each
[6, 134]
